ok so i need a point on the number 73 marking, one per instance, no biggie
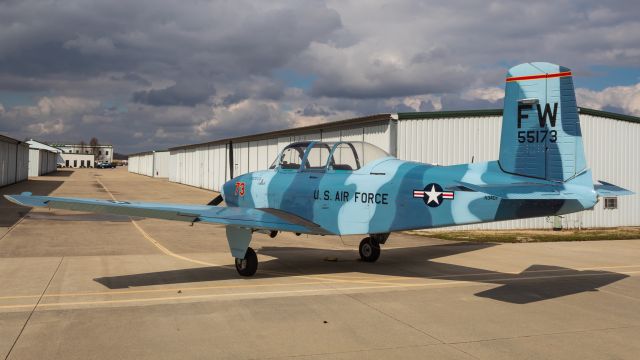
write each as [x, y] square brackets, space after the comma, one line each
[240, 188]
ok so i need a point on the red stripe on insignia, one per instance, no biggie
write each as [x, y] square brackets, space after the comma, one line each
[539, 76]
[418, 194]
[447, 195]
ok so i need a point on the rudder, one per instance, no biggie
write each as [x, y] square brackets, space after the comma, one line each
[541, 134]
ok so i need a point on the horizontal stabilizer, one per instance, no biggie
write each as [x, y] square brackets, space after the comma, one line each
[607, 189]
[524, 191]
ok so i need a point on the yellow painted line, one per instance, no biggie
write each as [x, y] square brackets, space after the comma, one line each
[183, 289]
[206, 296]
[288, 292]
[331, 278]
[330, 281]
[154, 242]
[168, 252]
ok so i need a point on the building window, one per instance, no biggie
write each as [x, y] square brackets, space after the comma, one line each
[106, 152]
[99, 152]
[77, 151]
[611, 203]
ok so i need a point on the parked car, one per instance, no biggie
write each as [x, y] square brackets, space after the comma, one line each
[105, 165]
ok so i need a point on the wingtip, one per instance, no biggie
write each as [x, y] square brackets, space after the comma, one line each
[16, 198]
[12, 199]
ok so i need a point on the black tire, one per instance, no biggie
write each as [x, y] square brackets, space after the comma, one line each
[249, 265]
[369, 250]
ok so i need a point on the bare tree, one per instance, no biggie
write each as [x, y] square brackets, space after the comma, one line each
[94, 146]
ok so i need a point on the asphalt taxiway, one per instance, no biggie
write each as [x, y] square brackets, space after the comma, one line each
[77, 286]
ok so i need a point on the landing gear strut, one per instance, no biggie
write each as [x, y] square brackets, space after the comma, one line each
[369, 249]
[249, 265]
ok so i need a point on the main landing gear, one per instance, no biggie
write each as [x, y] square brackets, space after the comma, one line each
[249, 265]
[246, 260]
[369, 250]
[370, 247]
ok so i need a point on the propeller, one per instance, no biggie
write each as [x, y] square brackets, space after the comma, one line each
[217, 200]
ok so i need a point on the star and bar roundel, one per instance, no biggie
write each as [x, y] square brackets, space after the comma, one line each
[433, 195]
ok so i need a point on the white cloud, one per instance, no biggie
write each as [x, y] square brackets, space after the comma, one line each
[63, 105]
[492, 94]
[207, 70]
[626, 98]
[49, 127]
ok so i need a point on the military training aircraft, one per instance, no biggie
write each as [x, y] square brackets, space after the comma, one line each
[347, 188]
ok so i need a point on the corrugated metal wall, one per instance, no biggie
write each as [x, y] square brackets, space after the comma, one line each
[14, 161]
[613, 153]
[207, 166]
[141, 164]
[611, 148]
[449, 141]
[41, 162]
[155, 164]
[204, 166]
[161, 164]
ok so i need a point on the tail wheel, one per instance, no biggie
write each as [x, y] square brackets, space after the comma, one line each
[369, 250]
[249, 265]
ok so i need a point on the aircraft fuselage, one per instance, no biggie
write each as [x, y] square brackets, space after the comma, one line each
[393, 195]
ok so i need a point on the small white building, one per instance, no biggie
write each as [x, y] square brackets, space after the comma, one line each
[76, 160]
[150, 163]
[42, 158]
[100, 152]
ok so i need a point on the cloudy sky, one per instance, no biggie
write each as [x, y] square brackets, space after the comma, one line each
[153, 74]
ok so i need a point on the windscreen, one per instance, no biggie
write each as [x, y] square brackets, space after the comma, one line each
[354, 155]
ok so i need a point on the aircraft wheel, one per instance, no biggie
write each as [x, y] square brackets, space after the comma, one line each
[249, 265]
[369, 250]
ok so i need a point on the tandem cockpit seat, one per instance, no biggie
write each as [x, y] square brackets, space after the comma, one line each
[319, 156]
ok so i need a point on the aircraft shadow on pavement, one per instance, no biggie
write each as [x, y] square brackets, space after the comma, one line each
[536, 283]
[10, 213]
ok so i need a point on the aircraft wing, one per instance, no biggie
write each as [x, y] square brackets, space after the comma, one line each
[268, 219]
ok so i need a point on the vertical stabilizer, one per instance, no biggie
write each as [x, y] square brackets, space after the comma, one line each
[540, 129]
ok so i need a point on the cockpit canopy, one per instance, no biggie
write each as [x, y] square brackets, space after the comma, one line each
[331, 156]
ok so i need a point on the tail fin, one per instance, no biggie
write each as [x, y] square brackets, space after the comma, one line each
[541, 135]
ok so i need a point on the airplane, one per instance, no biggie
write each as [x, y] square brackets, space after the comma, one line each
[353, 188]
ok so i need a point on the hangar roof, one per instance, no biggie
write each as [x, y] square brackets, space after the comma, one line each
[9, 139]
[498, 112]
[386, 117]
[147, 152]
[34, 144]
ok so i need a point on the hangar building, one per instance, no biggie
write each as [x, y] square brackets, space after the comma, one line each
[442, 138]
[14, 160]
[150, 163]
[42, 158]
